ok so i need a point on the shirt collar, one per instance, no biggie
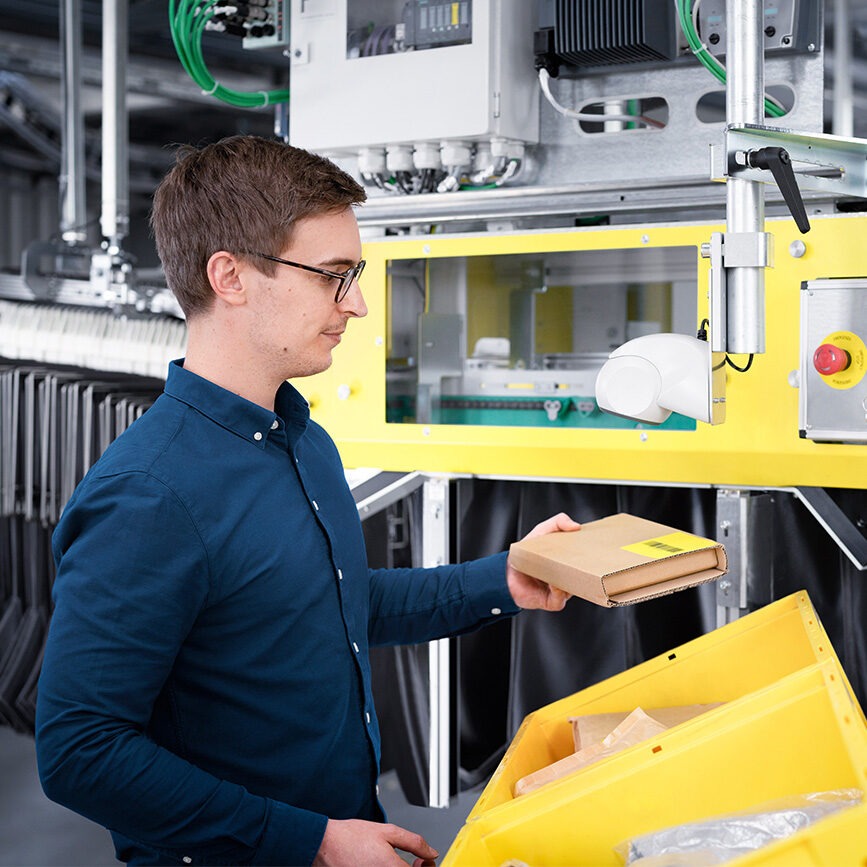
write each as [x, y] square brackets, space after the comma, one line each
[237, 414]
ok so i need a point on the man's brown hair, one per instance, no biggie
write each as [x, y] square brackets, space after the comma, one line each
[242, 194]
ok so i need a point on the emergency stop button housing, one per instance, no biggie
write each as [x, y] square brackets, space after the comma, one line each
[829, 359]
[833, 370]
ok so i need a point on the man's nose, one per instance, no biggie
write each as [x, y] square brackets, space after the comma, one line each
[353, 302]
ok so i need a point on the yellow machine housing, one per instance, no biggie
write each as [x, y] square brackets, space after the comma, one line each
[759, 444]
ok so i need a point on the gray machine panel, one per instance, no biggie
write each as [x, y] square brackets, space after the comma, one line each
[833, 408]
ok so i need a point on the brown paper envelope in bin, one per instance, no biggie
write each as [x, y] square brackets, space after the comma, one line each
[637, 727]
[592, 728]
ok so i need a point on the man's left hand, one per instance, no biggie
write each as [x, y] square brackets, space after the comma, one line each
[531, 592]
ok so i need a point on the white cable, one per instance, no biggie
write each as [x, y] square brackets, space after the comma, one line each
[695, 21]
[544, 82]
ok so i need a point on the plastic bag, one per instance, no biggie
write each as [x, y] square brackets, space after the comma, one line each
[717, 840]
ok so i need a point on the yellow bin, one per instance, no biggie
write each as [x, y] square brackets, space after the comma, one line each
[789, 725]
[838, 841]
[725, 664]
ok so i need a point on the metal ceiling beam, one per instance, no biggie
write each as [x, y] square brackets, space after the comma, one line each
[665, 199]
[38, 56]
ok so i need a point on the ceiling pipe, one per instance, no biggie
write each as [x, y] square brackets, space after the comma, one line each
[73, 207]
[115, 124]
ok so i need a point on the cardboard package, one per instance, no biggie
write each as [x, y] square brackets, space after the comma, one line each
[620, 560]
[592, 728]
[635, 728]
[598, 736]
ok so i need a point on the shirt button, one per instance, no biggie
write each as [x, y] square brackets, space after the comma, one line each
[315, 505]
[257, 436]
[275, 424]
[187, 860]
[340, 574]
[496, 611]
[355, 646]
[367, 717]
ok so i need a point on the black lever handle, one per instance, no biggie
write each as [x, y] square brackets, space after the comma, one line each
[779, 163]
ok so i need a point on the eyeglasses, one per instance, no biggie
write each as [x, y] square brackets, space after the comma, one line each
[345, 278]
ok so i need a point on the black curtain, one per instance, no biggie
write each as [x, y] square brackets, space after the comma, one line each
[510, 669]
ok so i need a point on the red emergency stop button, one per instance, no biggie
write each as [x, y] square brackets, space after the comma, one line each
[829, 359]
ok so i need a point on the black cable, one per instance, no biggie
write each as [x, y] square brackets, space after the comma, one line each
[743, 369]
[701, 334]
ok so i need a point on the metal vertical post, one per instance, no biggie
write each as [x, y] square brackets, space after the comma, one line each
[73, 212]
[745, 204]
[281, 121]
[844, 109]
[435, 548]
[115, 123]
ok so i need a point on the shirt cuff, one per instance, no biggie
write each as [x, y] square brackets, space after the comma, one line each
[291, 836]
[487, 589]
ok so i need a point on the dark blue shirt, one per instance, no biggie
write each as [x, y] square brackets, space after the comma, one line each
[206, 691]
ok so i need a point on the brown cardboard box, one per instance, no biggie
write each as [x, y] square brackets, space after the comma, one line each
[620, 559]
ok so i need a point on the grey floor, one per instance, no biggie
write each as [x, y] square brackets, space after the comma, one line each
[34, 832]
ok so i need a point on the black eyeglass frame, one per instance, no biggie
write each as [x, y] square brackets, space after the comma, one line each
[345, 278]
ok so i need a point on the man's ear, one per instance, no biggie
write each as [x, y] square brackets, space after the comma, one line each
[226, 279]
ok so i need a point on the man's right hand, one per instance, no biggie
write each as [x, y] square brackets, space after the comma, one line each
[350, 842]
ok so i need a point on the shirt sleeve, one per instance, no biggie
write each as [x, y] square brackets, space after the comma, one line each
[133, 574]
[409, 606]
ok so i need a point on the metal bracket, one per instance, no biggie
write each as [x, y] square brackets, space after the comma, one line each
[731, 250]
[823, 163]
[112, 278]
[379, 490]
[745, 527]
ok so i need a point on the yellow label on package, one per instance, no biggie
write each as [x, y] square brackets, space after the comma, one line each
[668, 546]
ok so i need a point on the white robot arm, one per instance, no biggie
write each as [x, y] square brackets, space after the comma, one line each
[650, 377]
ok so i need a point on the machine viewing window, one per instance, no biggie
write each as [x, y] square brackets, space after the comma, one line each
[518, 340]
[375, 27]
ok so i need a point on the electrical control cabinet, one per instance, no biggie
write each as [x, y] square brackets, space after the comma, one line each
[833, 374]
[383, 74]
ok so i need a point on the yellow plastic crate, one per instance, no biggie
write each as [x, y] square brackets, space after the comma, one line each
[726, 664]
[838, 841]
[802, 733]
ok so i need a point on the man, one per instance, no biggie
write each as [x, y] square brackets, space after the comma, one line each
[206, 690]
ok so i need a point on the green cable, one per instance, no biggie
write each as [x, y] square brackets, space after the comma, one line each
[187, 24]
[707, 59]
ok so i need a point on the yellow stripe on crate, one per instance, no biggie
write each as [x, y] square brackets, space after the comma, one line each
[455, 7]
[668, 545]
